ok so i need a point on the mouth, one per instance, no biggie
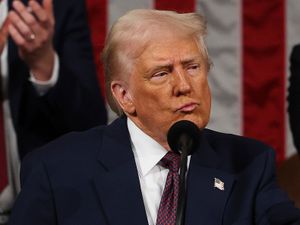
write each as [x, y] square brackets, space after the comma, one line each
[187, 108]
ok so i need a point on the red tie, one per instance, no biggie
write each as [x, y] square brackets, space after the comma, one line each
[168, 204]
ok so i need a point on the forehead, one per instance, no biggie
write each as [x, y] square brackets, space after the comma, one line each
[170, 49]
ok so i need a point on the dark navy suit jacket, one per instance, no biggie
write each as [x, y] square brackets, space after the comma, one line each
[75, 103]
[90, 178]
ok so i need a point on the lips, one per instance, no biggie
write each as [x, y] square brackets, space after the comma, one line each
[187, 107]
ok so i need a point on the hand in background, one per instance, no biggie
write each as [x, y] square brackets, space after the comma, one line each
[32, 28]
[3, 35]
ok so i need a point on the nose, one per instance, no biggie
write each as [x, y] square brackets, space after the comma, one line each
[182, 83]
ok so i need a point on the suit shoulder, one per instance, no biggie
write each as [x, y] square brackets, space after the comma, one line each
[237, 152]
[76, 146]
[216, 137]
[71, 145]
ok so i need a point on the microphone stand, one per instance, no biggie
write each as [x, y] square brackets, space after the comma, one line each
[183, 137]
[180, 213]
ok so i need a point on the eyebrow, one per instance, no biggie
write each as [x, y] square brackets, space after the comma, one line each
[169, 65]
[191, 60]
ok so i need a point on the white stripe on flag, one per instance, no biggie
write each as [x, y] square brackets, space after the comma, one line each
[118, 8]
[224, 44]
[292, 38]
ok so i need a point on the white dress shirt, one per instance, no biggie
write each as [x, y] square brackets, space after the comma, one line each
[8, 195]
[152, 176]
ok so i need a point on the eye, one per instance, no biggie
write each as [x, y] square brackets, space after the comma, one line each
[159, 74]
[193, 68]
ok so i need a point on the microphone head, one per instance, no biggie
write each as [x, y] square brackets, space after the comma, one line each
[183, 135]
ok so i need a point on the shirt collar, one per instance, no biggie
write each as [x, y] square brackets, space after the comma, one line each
[147, 151]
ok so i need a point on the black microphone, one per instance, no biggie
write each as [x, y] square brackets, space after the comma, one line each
[183, 138]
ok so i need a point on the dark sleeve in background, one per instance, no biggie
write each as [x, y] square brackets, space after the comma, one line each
[294, 96]
[75, 102]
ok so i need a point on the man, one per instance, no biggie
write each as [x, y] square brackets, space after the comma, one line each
[156, 67]
[49, 79]
[294, 95]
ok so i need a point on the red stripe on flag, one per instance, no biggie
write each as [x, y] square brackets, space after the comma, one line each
[176, 5]
[97, 16]
[264, 72]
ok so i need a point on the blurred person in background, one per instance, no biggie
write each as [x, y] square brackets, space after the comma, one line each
[294, 96]
[48, 82]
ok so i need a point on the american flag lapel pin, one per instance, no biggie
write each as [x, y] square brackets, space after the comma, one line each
[219, 184]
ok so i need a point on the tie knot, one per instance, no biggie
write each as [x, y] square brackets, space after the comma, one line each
[171, 161]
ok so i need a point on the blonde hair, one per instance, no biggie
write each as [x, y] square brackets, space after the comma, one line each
[132, 32]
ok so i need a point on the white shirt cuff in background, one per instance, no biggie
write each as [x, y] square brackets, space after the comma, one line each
[43, 86]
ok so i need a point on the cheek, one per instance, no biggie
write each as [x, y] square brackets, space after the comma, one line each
[204, 95]
[145, 100]
[207, 96]
[202, 87]
[153, 95]
[207, 101]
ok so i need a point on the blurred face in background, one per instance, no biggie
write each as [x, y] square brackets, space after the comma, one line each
[168, 83]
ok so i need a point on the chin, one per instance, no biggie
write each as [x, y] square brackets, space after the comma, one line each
[196, 119]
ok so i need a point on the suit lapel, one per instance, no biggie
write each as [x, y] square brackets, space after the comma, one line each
[117, 181]
[206, 203]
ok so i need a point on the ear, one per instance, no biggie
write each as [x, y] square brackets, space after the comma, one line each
[122, 95]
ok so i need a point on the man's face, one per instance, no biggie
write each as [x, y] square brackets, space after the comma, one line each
[169, 83]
